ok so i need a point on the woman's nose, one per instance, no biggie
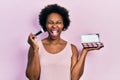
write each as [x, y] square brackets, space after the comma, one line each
[54, 25]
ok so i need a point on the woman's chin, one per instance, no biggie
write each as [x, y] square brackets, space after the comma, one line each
[54, 37]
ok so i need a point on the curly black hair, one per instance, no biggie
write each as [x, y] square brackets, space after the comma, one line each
[54, 8]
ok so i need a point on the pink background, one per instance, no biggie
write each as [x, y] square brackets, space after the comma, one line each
[20, 17]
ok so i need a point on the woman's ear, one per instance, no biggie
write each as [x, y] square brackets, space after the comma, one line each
[64, 29]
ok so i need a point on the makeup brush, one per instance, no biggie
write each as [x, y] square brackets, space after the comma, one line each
[41, 31]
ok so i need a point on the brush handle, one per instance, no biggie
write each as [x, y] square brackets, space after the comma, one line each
[38, 33]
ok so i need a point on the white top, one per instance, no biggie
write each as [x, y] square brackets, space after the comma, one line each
[55, 66]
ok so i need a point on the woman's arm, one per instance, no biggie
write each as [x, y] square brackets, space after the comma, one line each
[78, 68]
[33, 66]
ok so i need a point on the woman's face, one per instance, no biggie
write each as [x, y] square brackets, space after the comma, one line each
[54, 25]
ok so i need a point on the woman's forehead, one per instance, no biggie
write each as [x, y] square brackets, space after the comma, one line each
[54, 16]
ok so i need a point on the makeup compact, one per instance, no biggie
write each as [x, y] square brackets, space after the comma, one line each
[90, 40]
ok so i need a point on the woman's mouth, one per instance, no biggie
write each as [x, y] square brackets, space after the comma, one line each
[54, 32]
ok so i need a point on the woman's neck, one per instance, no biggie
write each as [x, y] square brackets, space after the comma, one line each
[54, 41]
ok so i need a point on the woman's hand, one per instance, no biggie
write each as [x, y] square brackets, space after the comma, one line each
[92, 46]
[32, 41]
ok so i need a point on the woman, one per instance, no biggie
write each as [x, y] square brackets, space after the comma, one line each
[54, 58]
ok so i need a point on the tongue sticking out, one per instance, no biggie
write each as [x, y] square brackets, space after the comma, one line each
[55, 33]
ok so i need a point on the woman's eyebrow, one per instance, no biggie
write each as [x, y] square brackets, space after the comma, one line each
[53, 21]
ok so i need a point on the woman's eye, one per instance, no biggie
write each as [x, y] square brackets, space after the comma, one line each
[50, 22]
[54, 23]
[59, 22]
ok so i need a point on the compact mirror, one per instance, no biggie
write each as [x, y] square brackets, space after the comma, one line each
[90, 40]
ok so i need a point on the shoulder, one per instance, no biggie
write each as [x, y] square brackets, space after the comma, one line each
[44, 41]
[74, 49]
